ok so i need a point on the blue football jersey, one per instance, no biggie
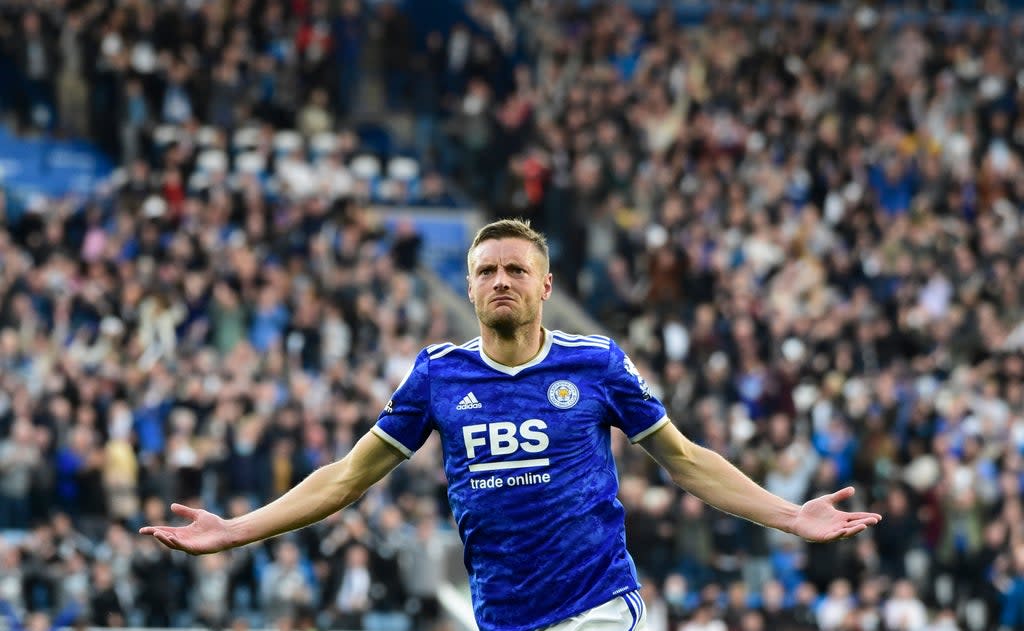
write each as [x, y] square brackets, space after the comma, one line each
[531, 479]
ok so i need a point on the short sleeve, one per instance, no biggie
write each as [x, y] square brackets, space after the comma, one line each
[405, 422]
[634, 409]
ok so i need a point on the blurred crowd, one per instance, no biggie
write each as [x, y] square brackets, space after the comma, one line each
[214, 354]
[805, 228]
[808, 228]
[210, 91]
[221, 318]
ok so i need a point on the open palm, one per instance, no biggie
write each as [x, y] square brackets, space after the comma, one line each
[819, 520]
[207, 533]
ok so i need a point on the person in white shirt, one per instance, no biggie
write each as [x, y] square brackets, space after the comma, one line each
[704, 619]
[353, 597]
[904, 611]
[833, 610]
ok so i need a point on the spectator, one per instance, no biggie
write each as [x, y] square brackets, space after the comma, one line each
[212, 580]
[19, 455]
[836, 606]
[37, 61]
[314, 117]
[78, 475]
[704, 619]
[72, 88]
[121, 467]
[1013, 591]
[155, 573]
[423, 561]
[105, 605]
[352, 601]
[284, 585]
[11, 577]
[903, 610]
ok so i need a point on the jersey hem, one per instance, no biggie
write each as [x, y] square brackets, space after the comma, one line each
[584, 609]
[650, 430]
[391, 440]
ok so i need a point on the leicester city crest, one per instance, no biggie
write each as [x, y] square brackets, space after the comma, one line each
[563, 394]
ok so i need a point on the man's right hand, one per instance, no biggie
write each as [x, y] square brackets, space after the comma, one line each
[323, 492]
[207, 533]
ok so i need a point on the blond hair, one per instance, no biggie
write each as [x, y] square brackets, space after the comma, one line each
[509, 229]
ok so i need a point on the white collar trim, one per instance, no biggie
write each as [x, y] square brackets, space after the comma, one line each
[512, 371]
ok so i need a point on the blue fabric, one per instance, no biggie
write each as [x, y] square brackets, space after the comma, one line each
[1013, 605]
[69, 464]
[531, 478]
[267, 327]
[894, 196]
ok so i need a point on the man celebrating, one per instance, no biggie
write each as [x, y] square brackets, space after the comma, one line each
[525, 417]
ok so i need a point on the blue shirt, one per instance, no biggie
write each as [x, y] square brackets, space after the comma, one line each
[531, 478]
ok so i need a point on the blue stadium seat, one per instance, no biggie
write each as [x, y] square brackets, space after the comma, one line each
[375, 138]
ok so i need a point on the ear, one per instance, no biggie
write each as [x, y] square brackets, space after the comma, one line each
[469, 289]
[548, 286]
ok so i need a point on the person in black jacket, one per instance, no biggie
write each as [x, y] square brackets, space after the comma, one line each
[105, 605]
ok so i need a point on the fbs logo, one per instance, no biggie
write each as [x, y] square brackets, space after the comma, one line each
[469, 402]
[504, 438]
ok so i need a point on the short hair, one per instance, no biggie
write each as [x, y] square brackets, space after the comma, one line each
[509, 229]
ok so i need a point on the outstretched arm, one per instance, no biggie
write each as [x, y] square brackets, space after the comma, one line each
[324, 492]
[715, 480]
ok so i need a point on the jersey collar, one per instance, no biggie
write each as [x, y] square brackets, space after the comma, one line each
[512, 371]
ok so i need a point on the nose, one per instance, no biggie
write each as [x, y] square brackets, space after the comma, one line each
[500, 280]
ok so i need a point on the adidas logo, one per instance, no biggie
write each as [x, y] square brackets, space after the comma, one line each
[469, 402]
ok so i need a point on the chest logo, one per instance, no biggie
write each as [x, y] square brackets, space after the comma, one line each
[563, 394]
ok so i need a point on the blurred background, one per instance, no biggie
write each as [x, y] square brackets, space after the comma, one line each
[228, 227]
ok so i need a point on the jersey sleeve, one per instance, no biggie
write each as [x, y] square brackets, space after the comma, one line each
[405, 421]
[634, 409]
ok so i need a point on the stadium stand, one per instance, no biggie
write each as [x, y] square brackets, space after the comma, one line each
[803, 221]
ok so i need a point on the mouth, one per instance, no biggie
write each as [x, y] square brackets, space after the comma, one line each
[502, 300]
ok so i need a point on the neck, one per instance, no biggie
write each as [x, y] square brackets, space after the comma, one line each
[522, 346]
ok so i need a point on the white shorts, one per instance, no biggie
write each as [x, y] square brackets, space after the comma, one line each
[622, 613]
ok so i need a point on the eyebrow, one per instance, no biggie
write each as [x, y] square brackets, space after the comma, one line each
[511, 264]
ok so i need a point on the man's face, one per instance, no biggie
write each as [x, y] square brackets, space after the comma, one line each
[508, 280]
